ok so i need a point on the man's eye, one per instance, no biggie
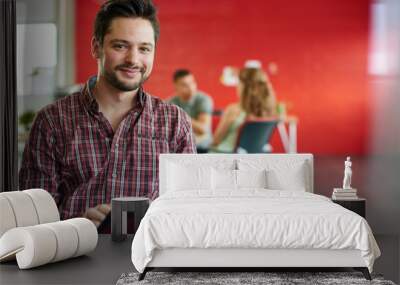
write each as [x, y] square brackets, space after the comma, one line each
[145, 49]
[119, 46]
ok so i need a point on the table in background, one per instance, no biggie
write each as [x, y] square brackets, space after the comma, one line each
[288, 134]
[104, 265]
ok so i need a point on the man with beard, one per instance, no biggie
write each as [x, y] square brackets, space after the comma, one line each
[104, 141]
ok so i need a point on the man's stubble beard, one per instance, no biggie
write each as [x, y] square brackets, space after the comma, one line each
[113, 80]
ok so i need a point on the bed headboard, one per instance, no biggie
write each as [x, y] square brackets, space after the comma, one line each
[233, 160]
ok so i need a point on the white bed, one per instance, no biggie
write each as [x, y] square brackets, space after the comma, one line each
[241, 210]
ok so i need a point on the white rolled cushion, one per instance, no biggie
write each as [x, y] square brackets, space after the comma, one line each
[224, 179]
[33, 246]
[251, 178]
[183, 177]
[23, 208]
[40, 244]
[67, 240]
[7, 218]
[87, 235]
[45, 205]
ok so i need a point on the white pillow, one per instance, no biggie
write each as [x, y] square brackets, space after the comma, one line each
[226, 179]
[183, 177]
[251, 178]
[281, 174]
[223, 179]
[288, 179]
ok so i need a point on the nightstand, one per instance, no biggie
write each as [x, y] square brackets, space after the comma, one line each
[357, 206]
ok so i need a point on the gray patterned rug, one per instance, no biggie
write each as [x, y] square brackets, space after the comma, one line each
[242, 278]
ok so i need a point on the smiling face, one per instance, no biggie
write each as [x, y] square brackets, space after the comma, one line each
[125, 58]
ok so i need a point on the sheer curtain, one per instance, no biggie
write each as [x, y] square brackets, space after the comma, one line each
[8, 97]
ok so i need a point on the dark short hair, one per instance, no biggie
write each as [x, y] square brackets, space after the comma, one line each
[124, 8]
[180, 73]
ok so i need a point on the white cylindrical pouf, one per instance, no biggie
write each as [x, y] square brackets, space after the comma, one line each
[45, 205]
[23, 208]
[87, 234]
[67, 239]
[7, 218]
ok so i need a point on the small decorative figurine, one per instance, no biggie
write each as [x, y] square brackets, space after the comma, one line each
[347, 192]
[347, 174]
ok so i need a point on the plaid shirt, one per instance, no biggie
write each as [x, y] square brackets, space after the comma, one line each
[73, 152]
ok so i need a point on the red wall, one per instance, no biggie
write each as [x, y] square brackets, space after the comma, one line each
[320, 47]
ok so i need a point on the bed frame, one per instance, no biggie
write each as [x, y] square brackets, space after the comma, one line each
[242, 259]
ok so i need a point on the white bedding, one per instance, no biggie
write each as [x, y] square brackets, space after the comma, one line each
[251, 218]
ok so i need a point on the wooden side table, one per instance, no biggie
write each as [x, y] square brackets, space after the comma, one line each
[357, 205]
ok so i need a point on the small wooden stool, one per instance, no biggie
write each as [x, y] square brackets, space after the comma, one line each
[119, 208]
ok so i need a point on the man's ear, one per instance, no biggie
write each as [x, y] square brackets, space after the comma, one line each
[95, 48]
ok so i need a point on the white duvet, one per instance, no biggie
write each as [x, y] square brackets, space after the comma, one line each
[253, 218]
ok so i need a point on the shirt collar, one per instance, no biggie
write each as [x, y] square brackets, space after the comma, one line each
[91, 103]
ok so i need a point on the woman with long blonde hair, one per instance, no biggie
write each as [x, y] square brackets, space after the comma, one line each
[257, 101]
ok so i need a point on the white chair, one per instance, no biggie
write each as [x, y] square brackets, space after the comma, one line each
[31, 230]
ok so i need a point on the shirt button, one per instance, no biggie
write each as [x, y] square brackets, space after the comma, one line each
[114, 175]
[116, 145]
